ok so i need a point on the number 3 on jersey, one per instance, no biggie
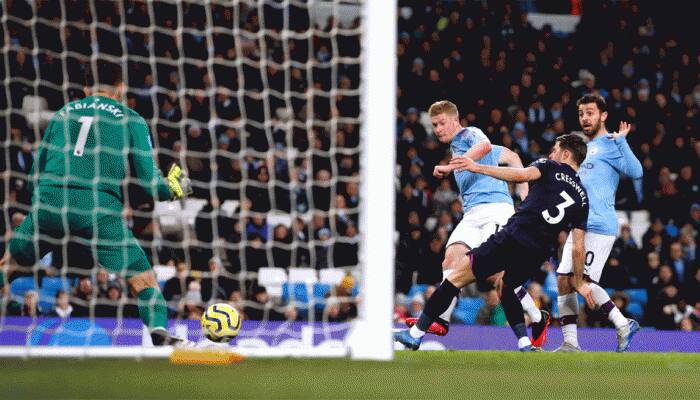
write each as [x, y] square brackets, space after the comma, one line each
[85, 123]
[560, 209]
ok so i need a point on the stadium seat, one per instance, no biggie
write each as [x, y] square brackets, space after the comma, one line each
[331, 276]
[229, 207]
[639, 223]
[164, 272]
[35, 111]
[637, 295]
[298, 294]
[304, 275]
[635, 309]
[272, 279]
[622, 218]
[55, 284]
[168, 215]
[467, 309]
[47, 300]
[320, 290]
[274, 219]
[49, 287]
[191, 209]
[609, 291]
[22, 285]
[415, 289]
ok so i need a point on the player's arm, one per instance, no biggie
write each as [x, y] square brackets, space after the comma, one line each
[144, 164]
[578, 256]
[628, 165]
[510, 174]
[511, 159]
[476, 152]
[479, 150]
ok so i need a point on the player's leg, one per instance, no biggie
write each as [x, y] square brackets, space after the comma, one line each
[520, 264]
[456, 249]
[438, 303]
[466, 236]
[119, 252]
[454, 253]
[495, 218]
[567, 301]
[528, 304]
[598, 249]
[515, 316]
[24, 249]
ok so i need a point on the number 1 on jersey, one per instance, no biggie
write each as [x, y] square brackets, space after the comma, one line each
[85, 123]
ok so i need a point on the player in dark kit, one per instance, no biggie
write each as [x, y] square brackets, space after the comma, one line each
[557, 201]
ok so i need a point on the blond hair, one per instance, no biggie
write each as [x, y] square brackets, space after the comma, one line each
[443, 106]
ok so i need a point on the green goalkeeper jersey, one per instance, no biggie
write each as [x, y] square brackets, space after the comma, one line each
[94, 143]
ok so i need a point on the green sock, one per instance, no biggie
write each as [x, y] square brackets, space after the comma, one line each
[152, 308]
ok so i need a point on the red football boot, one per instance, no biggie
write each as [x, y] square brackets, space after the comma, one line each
[539, 330]
[439, 327]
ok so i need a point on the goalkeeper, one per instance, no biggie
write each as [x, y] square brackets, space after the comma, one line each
[88, 150]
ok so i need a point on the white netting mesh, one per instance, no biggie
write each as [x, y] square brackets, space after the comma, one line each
[259, 100]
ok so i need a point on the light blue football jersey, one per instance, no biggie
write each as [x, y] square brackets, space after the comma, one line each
[474, 188]
[600, 173]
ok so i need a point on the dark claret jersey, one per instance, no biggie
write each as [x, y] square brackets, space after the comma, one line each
[92, 144]
[556, 202]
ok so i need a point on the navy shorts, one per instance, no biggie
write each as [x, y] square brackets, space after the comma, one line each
[501, 252]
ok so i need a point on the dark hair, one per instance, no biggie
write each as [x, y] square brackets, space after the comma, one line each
[593, 98]
[108, 73]
[575, 144]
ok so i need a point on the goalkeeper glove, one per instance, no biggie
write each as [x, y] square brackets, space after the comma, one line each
[178, 182]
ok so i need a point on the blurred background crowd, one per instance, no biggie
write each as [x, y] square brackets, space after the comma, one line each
[520, 85]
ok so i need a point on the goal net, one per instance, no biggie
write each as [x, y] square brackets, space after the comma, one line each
[268, 105]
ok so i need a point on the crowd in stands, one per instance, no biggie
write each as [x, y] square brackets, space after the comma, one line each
[520, 85]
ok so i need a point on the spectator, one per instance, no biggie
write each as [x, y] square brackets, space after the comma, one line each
[28, 308]
[217, 285]
[683, 271]
[62, 309]
[176, 286]
[82, 298]
[416, 306]
[191, 306]
[111, 303]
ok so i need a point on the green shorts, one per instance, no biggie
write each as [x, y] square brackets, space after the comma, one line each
[92, 219]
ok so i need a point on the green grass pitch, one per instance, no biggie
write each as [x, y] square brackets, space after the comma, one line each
[425, 375]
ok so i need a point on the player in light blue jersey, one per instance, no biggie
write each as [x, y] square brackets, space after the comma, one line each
[609, 156]
[487, 205]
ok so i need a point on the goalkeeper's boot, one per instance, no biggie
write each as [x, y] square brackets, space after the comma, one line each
[539, 330]
[625, 335]
[161, 337]
[439, 327]
[567, 347]
[404, 337]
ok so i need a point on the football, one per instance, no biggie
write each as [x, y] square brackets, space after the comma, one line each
[221, 323]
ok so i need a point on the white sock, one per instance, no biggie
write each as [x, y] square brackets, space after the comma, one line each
[607, 306]
[529, 305]
[415, 332]
[524, 341]
[447, 315]
[568, 313]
